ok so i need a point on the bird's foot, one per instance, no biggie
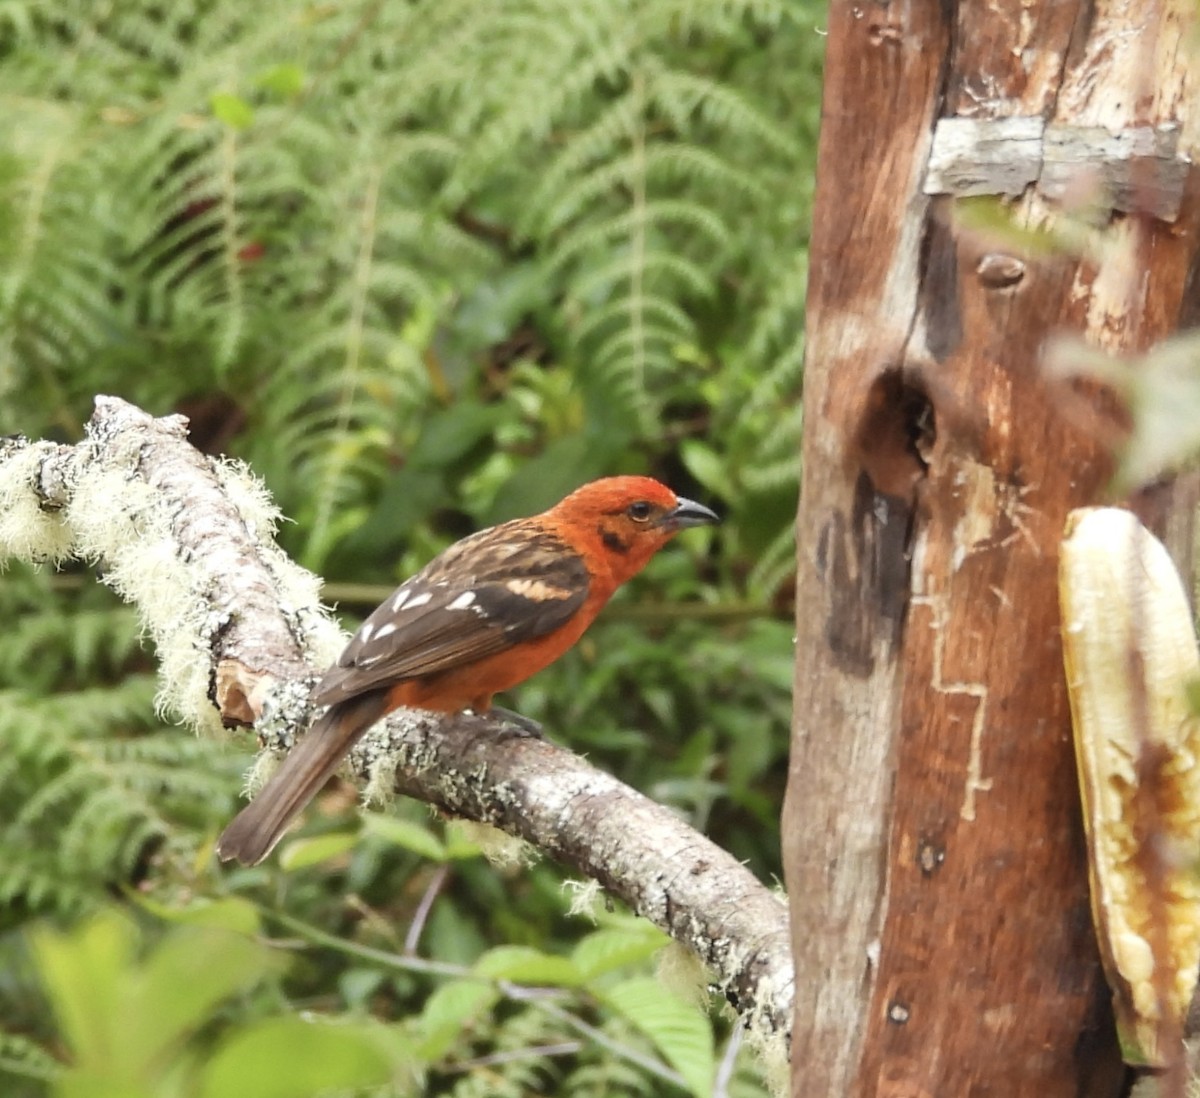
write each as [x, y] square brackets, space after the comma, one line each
[514, 724]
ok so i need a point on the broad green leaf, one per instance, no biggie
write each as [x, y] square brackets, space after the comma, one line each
[84, 973]
[561, 467]
[707, 466]
[302, 853]
[292, 1057]
[613, 948]
[449, 435]
[985, 214]
[95, 1084]
[450, 1010]
[184, 979]
[230, 913]
[122, 1017]
[284, 80]
[406, 833]
[357, 985]
[677, 1028]
[526, 965]
[407, 499]
[1161, 393]
[234, 111]
[459, 844]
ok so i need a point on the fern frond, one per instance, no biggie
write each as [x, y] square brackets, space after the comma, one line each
[87, 799]
[776, 562]
[689, 279]
[683, 96]
[564, 186]
[624, 180]
[662, 312]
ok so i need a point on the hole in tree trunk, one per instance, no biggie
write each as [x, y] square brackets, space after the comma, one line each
[896, 433]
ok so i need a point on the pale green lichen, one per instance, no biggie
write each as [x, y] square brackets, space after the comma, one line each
[681, 972]
[771, 1054]
[586, 896]
[121, 522]
[249, 496]
[502, 850]
[28, 531]
[380, 788]
[299, 590]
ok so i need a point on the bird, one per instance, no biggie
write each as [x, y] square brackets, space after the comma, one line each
[482, 616]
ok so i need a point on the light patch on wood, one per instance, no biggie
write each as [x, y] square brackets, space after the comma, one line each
[241, 691]
[900, 287]
[975, 484]
[917, 569]
[849, 335]
[975, 783]
[1103, 88]
[536, 590]
[984, 499]
[1118, 290]
[1001, 1017]
[1134, 167]
[974, 156]
[1081, 284]
[1042, 66]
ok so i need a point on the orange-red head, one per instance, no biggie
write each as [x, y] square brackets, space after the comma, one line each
[624, 521]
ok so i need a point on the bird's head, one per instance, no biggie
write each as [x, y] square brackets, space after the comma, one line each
[626, 520]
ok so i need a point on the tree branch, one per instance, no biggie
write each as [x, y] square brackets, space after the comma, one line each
[241, 634]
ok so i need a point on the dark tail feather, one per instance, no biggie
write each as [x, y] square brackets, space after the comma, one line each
[261, 824]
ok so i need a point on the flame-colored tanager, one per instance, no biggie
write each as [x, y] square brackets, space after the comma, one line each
[484, 615]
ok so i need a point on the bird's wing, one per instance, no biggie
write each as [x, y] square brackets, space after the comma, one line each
[486, 593]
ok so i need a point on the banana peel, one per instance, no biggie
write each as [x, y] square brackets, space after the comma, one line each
[1124, 608]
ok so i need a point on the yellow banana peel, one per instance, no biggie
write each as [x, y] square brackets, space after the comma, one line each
[1124, 608]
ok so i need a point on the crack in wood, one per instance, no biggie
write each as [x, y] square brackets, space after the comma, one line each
[865, 557]
[975, 781]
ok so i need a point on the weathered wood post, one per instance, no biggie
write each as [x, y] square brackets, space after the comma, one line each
[933, 847]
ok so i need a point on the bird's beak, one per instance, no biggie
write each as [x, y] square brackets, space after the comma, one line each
[689, 513]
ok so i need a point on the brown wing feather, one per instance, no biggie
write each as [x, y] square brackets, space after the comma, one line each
[486, 593]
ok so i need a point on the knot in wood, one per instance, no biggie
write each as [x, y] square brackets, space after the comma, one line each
[930, 856]
[998, 271]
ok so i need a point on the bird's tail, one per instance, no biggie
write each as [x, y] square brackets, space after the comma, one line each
[261, 824]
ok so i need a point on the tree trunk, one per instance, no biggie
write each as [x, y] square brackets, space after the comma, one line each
[933, 843]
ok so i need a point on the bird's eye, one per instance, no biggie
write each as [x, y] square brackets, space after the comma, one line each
[639, 511]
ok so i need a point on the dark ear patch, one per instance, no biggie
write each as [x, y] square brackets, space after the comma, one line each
[613, 542]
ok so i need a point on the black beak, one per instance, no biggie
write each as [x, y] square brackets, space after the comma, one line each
[689, 513]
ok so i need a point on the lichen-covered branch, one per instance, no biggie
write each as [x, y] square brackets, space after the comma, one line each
[240, 634]
[187, 540]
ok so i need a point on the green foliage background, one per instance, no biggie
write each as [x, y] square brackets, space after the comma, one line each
[424, 264]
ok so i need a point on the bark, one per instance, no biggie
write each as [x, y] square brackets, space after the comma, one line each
[188, 540]
[932, 837]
